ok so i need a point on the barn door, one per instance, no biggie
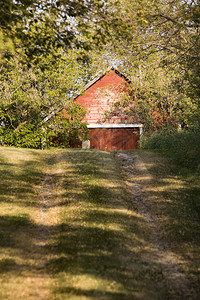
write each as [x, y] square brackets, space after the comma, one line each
[114, 138]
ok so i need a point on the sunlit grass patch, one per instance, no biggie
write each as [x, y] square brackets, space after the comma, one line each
[70, 229]
[176, 205]
[98, 252]
[21, 170]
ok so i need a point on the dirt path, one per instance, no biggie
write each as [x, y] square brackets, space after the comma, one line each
[138, 180]
[46, 220]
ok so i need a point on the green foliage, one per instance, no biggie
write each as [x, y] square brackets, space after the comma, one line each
[47, 48]
[66, 126]
[157, 44]
[154, 101]
[44, 61]
[182, 147]
[33, 98]
[40, 28]
[27, 136]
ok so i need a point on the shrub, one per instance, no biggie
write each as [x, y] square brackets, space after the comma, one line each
[27, 136]
[182, 147]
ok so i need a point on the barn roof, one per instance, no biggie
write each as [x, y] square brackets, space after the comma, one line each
[97, 78]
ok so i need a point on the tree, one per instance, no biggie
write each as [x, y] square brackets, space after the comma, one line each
[43, 63]
[38, 28]
[158, 41]
[32, 101]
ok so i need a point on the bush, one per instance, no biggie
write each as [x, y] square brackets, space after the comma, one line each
[26, 136]
[182, 147]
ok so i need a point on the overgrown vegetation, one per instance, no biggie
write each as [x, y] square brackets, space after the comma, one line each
[51, 49]
[158, 45]
[45, 48]
[182, 147]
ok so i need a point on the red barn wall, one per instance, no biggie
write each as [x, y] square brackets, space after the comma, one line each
[99, 97]
[114, 138]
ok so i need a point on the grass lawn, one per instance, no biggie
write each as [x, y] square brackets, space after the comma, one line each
[69, 228]
[175, 194]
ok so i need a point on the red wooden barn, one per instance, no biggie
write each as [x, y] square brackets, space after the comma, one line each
[109, 129]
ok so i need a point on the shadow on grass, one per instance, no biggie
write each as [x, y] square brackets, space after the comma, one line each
[107, 256]
[11, 227]
[176, 194]
[19, 178]
[99, 250]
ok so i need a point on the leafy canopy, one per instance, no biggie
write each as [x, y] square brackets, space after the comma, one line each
[44, 60]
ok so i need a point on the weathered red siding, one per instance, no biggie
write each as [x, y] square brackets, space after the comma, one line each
[114, 138]
[99, 97]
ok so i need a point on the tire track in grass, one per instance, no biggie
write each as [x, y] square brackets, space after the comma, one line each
[29, 222]
[138, 179]
[46, 220]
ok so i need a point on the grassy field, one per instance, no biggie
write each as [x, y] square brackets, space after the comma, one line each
[69, 228]
[175, 194]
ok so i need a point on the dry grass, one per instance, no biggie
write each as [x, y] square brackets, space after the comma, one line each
[30, 191]
[20, 270]
[100, 251]
[70, 229]
[175, 206]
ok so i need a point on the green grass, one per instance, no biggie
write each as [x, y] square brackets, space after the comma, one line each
[69, 228]
[182, 147]
[176, 206]
[97, 253]
[20, 171]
